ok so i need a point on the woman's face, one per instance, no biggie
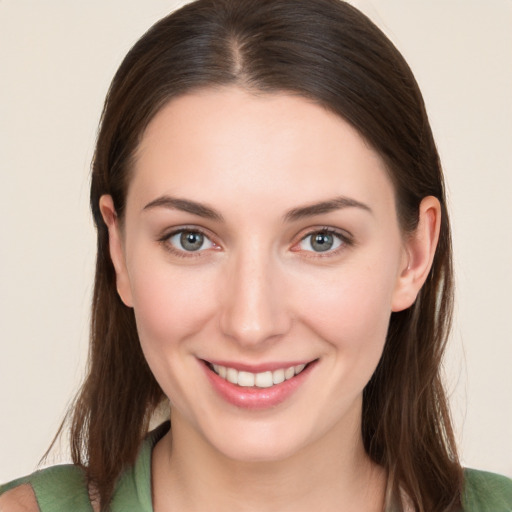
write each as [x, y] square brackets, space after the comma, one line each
[260, 236]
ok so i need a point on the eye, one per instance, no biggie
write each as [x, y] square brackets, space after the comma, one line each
[188, 240]
[324, 240]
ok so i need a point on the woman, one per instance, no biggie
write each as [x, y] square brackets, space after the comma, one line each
[274, 259]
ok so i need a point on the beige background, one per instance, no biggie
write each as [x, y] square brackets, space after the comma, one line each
[56, 60]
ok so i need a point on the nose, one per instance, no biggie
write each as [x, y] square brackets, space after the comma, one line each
[254, 310]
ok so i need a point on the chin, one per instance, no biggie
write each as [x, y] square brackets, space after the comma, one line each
[257, 451]
[258, 441]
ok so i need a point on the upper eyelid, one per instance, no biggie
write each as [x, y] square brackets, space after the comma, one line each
[164, 239]
[168, 233]
[346, 239]
[344, 235]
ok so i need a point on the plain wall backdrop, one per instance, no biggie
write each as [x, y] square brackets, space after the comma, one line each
[56, 61]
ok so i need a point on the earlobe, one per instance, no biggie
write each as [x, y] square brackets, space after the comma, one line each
[419, 251]
[115, 243]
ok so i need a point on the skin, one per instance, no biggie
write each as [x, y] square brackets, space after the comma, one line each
[257, 292]
[19, 499]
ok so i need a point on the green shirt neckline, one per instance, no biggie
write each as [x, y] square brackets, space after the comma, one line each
[63, 488]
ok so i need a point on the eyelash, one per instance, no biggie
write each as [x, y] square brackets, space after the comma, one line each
[165, 241]
[344, 238]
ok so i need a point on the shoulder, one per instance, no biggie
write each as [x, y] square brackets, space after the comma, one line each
[486, 492]
[19, 499]
[55, 489]
[64, 488]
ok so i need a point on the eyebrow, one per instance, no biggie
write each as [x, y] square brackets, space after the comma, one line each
[338, 203]
[185, 205]
[295, 214]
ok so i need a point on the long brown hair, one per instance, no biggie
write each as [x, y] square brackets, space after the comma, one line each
[328, 52]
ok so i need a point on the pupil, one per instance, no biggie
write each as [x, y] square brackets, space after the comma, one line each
[191, 241]
[322, 242]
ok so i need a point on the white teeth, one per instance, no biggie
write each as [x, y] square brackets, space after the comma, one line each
[245, 379]
[263, 380]
[278, 376]
[259, 380]
[289, 372]
[232, 375]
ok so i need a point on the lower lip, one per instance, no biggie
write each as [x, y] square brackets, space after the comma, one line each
[253, 397]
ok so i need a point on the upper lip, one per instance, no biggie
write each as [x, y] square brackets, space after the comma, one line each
[258, 368]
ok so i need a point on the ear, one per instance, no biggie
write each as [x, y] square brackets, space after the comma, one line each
[419, 250]
[115, 243]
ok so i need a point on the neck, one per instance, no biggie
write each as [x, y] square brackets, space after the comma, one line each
[334, 473]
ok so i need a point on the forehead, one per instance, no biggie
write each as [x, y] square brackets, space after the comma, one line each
[278, 146]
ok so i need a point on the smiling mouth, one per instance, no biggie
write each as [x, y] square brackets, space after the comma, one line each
[266, 379]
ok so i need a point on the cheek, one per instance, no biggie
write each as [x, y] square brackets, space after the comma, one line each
[170, 303]
[171, 307]
[353, 306]
[351, 310]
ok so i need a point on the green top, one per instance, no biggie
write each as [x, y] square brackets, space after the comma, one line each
[63, 489]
